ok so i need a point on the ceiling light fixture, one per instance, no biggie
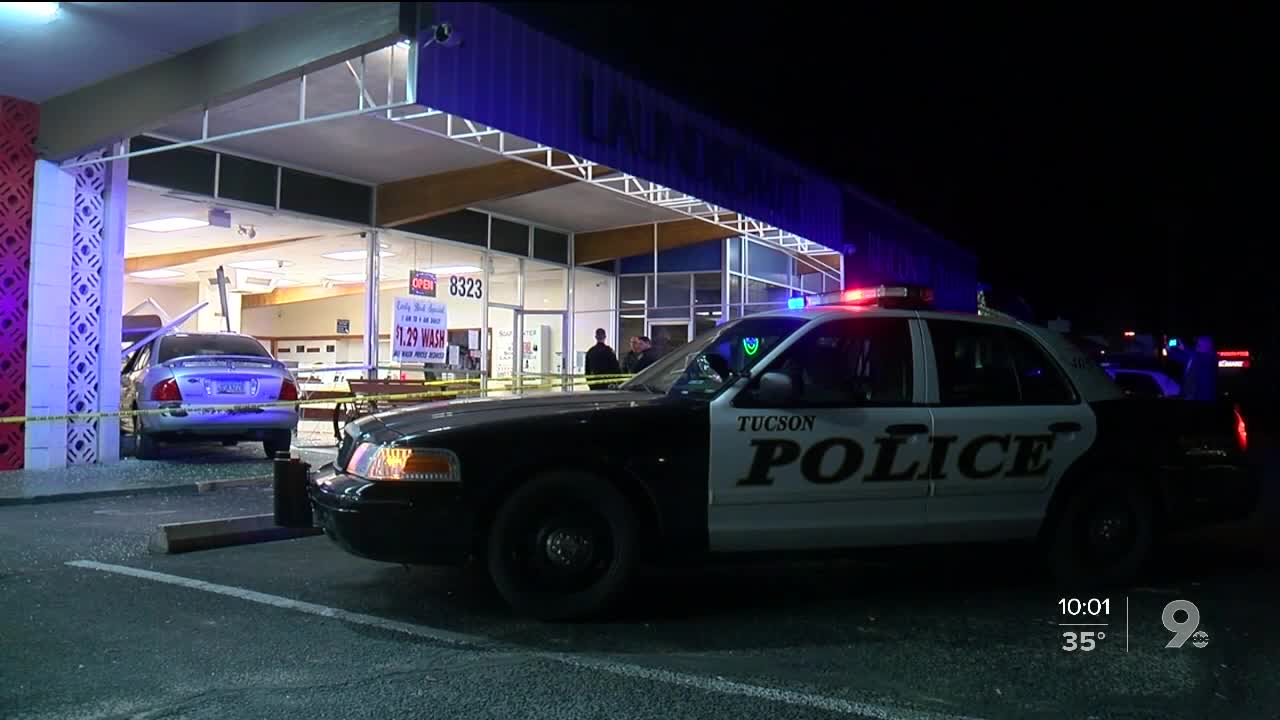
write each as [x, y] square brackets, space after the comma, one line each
[351, 277]
[31, 10]
[402, 43]
[156, 274]
[632, 302]
[261, 264]
[170, 224]
[453, 269]
[354, 255]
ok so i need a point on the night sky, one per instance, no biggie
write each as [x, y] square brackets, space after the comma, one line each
[1105, 167]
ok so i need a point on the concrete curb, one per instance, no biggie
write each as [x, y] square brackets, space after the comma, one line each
[208, 534]
[182, 489]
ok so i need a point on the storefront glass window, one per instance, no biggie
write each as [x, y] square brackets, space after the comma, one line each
[593, 303]
[510, 237]
[504, 280]
[735, 290]
[545, 286]
[445, 274]
[631, 290]
[550, 245]
[673, 290]
[735, 254]
[761, 292]
[768, 263]
[706, 288]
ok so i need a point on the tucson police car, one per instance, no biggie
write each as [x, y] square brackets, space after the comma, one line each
[850, 420]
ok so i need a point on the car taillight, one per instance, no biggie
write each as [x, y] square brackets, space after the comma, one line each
[288, 390]
[1242, 432]
[166, 391]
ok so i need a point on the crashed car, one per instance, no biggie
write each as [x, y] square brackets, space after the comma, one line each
[180, 370]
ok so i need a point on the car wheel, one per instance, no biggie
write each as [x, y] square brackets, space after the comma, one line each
[1103, 536]
[276, 441]
[562, 546]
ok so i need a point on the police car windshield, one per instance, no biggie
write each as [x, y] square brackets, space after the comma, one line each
[715, 358]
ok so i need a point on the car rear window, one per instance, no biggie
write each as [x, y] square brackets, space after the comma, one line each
[178, 346]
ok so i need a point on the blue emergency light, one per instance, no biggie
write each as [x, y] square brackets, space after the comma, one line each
[894, 296]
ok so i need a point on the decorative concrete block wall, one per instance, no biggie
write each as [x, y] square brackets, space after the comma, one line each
[19, 121]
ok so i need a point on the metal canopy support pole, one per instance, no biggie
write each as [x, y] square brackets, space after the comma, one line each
[372, 273]
[725, 279]
[569, 365]
[486, 263]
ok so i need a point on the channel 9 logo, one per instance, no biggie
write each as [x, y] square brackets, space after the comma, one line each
[1185, 628]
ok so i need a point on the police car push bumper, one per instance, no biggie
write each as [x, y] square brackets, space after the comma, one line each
[396, 505]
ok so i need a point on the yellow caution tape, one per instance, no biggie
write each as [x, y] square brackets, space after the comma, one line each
[518, 383]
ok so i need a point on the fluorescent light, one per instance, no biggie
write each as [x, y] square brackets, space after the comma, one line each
[453, 269]
[632, 302]
[156, 274]
[261, 264]
[170, 224]
[632, 317]
[33, 10]
[402, 43]
[351, 277]
[355, 255]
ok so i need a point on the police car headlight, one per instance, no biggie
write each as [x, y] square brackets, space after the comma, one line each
[386, 462]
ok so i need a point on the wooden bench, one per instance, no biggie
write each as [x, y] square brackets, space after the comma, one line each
[344, 413]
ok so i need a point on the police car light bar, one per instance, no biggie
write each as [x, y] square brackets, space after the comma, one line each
[898, 296]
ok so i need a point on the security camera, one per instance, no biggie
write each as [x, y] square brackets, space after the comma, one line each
[364, 235]
[444, 34]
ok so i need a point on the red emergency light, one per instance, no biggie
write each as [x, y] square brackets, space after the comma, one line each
[895, 296]
[1130, 333]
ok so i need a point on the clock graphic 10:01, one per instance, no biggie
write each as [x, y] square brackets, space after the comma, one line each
[1083, 622]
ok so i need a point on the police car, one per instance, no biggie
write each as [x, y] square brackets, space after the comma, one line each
[856, 419]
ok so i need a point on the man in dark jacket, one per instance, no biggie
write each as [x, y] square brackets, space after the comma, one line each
[1200, 380]
[601, 360]
[645, 355]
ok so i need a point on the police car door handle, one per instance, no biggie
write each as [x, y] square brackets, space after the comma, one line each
[1065, 427]
[907, 429]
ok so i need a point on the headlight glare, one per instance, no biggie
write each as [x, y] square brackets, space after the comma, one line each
[384, 462]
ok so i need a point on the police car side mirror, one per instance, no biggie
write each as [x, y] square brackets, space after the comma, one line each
[774, 389]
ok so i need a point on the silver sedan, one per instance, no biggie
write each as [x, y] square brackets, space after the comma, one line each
[207, 369]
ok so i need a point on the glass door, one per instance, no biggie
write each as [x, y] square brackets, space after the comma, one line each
[542, 351]
[502, 349]
[667, 335]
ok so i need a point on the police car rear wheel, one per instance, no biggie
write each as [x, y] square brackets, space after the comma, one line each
[562, 546]
[1103, 535]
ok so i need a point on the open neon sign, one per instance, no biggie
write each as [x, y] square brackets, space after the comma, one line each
[422, 283]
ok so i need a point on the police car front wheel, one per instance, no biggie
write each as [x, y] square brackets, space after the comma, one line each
[562, 546]
[1103, 535]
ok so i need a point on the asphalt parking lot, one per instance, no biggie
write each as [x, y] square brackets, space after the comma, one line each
[298, 627]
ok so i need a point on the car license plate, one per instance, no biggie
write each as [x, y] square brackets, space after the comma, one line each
[230, 388]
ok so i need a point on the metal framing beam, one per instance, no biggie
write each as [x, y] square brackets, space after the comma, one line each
[504, 144]
[221, 71]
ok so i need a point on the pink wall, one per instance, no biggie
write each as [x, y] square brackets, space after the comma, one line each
[18, 123]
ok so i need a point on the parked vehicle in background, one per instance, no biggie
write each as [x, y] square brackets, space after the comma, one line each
[206, 369]
[1145, 383]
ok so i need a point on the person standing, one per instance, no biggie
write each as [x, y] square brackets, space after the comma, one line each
[1199, 381]
[647, 355]
[601, 360]
[633, 356]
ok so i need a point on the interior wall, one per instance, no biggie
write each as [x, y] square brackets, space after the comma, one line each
[593, 301]
[173, 299]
